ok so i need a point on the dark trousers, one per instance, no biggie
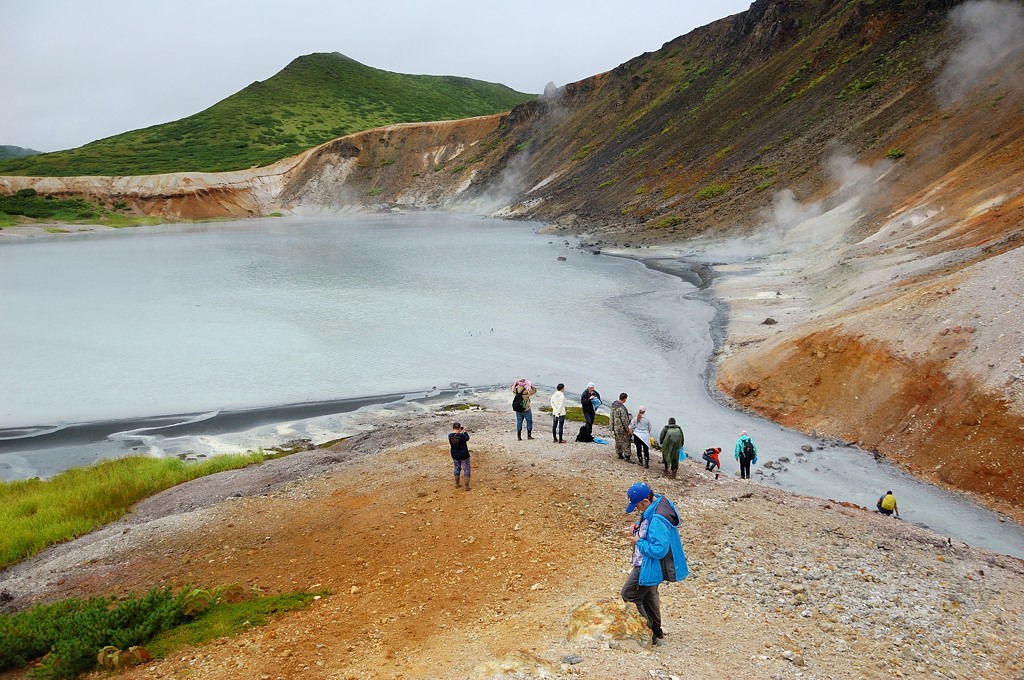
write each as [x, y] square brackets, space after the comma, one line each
[557, 424]
[643, 450]
[588, 415]
[645, 598]
[744, 468]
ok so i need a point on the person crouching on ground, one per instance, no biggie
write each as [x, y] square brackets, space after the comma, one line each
[887, 504]
[671, 440]
[711, 458]
[657, 554]
[458, 439]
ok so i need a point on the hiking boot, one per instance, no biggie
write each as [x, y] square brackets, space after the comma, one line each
[519, 436]
[647, 463]
[658, 639]
[561, 441]
[467, 482]
[458, 482]
[529, 436]
[620, 456]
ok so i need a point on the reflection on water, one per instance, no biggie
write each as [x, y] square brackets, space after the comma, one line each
[221, 322]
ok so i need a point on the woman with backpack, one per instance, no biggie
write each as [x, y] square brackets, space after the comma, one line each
[745, 453]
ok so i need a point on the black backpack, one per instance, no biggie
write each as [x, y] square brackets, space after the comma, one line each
[518, 404]
[748, 450]
[584, 435]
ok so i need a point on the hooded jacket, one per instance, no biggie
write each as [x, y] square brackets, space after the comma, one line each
[662, 549]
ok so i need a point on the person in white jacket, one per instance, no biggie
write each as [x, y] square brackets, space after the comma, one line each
[640, 426]
[558, 413]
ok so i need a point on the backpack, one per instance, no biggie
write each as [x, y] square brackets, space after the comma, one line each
[518, 403]
[584, 435]
[888, 502]
[747, 453]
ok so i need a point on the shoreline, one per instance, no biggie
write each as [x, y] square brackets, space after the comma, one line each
[789, 583]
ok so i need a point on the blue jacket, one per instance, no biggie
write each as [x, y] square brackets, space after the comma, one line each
[664, 559]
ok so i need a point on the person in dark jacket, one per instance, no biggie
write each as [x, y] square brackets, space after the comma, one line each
[458, 439]
[657, 554]
[589, 406]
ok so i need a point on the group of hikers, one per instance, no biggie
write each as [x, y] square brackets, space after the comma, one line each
[657, 549]
[628, 430]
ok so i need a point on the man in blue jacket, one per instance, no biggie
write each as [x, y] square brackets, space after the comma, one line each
[657, 554]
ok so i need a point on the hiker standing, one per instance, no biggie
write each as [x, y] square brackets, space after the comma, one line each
[458, 439]
[522, 389]
[589, 401]
[620, 427]
[558, 413]
[640, 426]
[657, 554]
[887, 504]
[746, 453]
[671, 440]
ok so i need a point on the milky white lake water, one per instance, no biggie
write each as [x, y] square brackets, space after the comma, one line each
[226, 336]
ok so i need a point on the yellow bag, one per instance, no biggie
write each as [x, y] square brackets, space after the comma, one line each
[889, 502]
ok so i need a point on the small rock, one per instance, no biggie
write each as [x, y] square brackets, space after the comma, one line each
[572, 660]
[769, 322]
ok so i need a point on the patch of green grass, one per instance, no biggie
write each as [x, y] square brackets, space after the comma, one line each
[667, 221]
[606, 183]
[35, 513]
[582, 153]
[712, 191]
[28, 204]
[895, 153]
[74, 636]
[226, 619]
[763, 170]
[460, 407]
[763, 185]
[314, 99]
[375, 191]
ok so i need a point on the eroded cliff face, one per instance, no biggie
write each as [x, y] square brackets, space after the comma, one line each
[865, 159]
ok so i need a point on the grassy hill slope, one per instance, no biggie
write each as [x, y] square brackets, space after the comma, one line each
[315, 98]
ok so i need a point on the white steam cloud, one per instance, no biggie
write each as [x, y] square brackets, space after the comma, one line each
[991, 33]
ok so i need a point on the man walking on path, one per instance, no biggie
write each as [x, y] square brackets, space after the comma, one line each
[587, 403]
[657, 554]
[671, 441]
[620, 428]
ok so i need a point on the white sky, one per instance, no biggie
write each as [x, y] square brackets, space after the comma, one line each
[80, 70]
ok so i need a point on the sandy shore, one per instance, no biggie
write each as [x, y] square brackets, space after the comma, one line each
[430, 581]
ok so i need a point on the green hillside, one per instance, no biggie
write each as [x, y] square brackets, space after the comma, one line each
[16, 151]
[314, 99]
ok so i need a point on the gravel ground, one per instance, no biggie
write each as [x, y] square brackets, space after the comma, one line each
[430, 581]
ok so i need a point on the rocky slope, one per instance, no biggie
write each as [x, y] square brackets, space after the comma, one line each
[852, 170]
[519, 578]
